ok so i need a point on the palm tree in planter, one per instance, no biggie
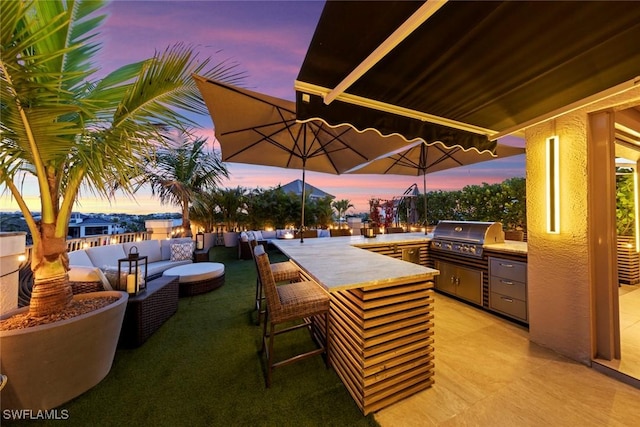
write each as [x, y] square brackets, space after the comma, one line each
[180, 175]
[341, 206]
[230, 202]
[72, 131]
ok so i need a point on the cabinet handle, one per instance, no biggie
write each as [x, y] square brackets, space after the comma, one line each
[506, 282]
[506, 265]
[506, 299]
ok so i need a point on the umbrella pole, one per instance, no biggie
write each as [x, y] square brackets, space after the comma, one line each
[424, 187]
[304, 161]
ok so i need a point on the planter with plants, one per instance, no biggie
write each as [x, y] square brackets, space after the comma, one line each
[628, 257]
[230, 203]
[71, 131]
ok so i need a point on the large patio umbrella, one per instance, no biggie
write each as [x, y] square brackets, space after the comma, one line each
[260, 129]
[420, 158]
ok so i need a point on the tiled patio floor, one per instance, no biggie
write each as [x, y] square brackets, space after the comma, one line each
[488, 373]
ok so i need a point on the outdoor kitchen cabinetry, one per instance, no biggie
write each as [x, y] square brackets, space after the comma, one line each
[508, 287]
[462, 282]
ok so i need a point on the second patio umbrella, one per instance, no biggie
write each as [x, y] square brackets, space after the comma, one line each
[260, 129]
[421, 158]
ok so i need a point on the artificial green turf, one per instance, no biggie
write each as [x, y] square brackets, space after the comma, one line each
[202, 368]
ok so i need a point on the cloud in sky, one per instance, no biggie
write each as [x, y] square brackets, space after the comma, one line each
[268, 40]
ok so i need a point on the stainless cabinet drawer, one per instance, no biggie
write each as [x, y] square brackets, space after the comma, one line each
[510, 306]
[508, 287]
[507, 269]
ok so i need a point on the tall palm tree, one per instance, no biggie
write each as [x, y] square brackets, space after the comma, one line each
[342, 206]
[180, 175]
[73, 131]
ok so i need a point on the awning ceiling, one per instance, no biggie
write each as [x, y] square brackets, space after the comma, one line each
[495, 66]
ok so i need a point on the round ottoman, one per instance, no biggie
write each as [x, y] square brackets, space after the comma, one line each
[197, 278]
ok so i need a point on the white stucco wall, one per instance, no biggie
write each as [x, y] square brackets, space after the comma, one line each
[559, 288]
[12, 246]
[558, 264]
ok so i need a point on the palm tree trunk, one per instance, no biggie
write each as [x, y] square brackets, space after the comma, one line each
[51, 288]
[186, 223]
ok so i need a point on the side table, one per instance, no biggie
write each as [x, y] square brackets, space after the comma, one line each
[201, 255]
[147, 311]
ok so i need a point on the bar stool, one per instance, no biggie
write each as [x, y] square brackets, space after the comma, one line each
[283, 271]
[297, 301]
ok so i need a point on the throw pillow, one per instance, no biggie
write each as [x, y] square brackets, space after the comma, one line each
[181, 251]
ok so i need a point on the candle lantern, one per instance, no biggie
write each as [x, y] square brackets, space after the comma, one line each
[132, 272]
[199, 241]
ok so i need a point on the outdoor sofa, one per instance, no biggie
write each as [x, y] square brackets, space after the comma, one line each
[98, 266]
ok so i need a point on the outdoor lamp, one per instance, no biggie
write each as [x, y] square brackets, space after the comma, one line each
[553, 185]
[132, 269]
[199, 241]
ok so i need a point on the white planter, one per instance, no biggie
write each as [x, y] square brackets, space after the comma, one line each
[230, 239]
[49, 365]
[209, 240]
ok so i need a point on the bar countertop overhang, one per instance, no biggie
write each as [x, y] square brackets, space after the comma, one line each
[339, 263]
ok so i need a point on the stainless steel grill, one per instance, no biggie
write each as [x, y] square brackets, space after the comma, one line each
[466, 237]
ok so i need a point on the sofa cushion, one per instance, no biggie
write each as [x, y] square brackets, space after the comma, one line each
[79, 273]
[149, 248]
[80, 258]
[105, 255]
[268, 235]
[165, 246]
[181, 251]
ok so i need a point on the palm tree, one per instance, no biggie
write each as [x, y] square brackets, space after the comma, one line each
[342, 206]
[231, 202]
[72, 131]
[181, 174]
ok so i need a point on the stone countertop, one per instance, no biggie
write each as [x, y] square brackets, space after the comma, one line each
[509, 246]
[340, 262]
[337, 264]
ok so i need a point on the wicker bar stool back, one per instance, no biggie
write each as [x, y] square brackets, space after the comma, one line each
[295, 304]
[283, 271]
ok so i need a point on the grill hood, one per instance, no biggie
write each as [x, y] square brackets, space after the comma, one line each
[483, 233]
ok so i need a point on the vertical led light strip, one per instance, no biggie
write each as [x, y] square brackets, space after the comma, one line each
[553, 186]
[636, 206]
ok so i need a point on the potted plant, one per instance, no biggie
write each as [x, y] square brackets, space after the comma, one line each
[628, 258]
[69, 131]
[230, 202]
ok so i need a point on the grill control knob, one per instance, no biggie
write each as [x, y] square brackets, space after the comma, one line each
[472, 249]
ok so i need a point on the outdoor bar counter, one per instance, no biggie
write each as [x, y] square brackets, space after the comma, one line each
[381, 316]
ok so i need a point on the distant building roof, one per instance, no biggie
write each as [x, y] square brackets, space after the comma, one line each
[313, 192]
[91, 222]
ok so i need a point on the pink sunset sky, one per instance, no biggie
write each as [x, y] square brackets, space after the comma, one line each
[268, 40]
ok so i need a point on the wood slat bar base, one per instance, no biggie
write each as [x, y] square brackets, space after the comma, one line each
[382, 341]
